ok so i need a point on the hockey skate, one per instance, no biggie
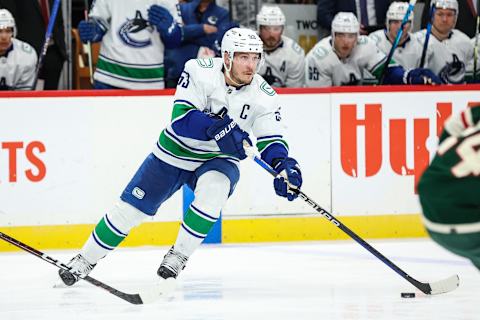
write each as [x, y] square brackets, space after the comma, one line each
[79, 266]
[172, 264]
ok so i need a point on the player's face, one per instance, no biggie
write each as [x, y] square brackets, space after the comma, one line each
[244, 67]
[444, 20]
[394, 26]
[271, 35]
[344, 43]
[6, 35]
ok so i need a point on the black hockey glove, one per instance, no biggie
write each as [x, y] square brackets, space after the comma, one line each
[283, 187]
[229, 137]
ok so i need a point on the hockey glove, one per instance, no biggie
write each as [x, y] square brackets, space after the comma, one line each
[229, 137]
[160, 18]
[283, 187]
[90, 31]
[422, 76]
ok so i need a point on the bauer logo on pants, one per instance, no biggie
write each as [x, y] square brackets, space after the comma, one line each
[138, 193]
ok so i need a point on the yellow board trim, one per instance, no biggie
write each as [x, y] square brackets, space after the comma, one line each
[318, 228]
[268, 229]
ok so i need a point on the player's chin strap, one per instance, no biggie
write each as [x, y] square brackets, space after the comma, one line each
[441, 286]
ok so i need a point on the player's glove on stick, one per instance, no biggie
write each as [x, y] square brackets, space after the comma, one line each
[90, 31]
[283, 187]
[422, 76]
[229, 137]
[160, 18]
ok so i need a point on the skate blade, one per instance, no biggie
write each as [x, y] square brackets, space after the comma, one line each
[162, 289]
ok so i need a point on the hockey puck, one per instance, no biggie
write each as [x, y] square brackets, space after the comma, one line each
[408, 295]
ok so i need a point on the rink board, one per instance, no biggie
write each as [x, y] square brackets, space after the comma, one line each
[66, 156]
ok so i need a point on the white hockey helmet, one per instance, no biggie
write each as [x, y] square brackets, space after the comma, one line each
[241, 40]
[397, 11]
[270, 16]
[345, 22]
[7, 21]
[447, 4]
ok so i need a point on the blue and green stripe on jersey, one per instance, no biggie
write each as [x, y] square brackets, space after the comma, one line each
[106, 235]
[264, 142]
[171, 144]
[131, 72]
[197, 223]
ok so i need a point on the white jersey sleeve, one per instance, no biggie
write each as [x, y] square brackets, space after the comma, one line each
[319, 63]
[189, 87]
[284, 66]
[369, 56]
[17, 68]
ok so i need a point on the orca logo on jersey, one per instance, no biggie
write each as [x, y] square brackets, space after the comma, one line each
[225, 130]
[138, 193]
[130, 31]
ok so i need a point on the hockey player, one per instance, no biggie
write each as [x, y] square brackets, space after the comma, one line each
[449, 187]
[133, 41]
[203, 150]
[451, 49]
[409, 50]
[346, 58]
[284, 58]
[17, 58]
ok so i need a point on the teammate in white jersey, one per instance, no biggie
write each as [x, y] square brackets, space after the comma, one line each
[134, 35]
[17, 58]
[451, 50]
[409, 50]
[203, 150]
[284, 58]
[346, 58]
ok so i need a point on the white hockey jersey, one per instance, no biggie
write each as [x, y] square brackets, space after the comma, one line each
[324, 68]
[408, 55]
[449, 58]
[17, 66]
[285, 66]
[131, 55]
[202, 87]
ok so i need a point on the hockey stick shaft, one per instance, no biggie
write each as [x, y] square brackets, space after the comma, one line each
[411, 5]
[89, 46]
[427, 35]
[475, 49]
[132, 298]
[48, 35]
[424, 287]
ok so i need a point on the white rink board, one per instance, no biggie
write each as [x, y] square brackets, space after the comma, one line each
[93, 146]
[387, 190]
[308, 135]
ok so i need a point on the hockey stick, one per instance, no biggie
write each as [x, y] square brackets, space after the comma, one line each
[427, 34]
[411, 5]
[132, 298]
[48, 35]
[475, 50]
[430, 288]
[89, 46]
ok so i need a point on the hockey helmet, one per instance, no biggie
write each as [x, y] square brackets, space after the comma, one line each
[241, 40]
[345, 22]
[7, 21]
[396, 11]
[447, 4]
[270, 16]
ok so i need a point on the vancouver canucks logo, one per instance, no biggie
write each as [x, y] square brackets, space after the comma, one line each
[453, 72]
[132, 31]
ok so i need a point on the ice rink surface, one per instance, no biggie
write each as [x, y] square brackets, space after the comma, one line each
[314, 280]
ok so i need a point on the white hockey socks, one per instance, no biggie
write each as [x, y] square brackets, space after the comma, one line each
[111, 230]
[211, 194]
